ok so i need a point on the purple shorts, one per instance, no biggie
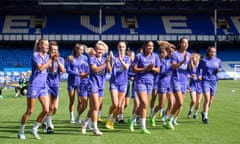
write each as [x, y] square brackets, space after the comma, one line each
[95, 90]
[83, 90]
[120, 88]
[179, 86]
[164, 90]
[144, 86]
[209, 86]
[54, 91]
[36, 92]
[195, 86]
[72, 87]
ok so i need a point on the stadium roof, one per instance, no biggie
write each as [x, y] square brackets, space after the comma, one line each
[49, 6]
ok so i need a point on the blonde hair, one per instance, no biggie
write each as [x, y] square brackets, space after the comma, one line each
[197, 56]
[163, 44]
[37, 43]
[36, 48]
[78, 46]
[103, 44]
[90, 51]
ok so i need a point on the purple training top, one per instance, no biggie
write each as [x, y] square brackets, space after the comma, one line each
[38, 78]
[143, 61]
[119, 74]
[53, 79]
[181, 73]
[84, 68]
[97, 80]
[208, 68]
[165, 72]
[72, 68]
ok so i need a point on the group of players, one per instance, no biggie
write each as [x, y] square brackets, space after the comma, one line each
[164, 74]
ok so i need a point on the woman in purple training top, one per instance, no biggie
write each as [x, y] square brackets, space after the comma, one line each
[84, 74]
[72, 68]
[132, 93]
[83, 94]
[118, 83]
[209, 66]
[53, 80]
[164, 87]
[179, 81]
[145, 65]
[99, 66]
[37, 88]
[195, 87]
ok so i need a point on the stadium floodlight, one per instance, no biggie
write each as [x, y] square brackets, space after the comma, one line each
[81, 2]
[236, 72]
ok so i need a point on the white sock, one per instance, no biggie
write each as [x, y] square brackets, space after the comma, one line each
[190, 109]
[164, 118]
[71, 116]
[49, 121]
[110, 116]
[205, 115]
[86, 121]
[90, 122]
[36, 125]
[95, 127]
[22, 127]
[175, 119]
[143, 123]
[152, 112]
[99, 113]
[113, 120]
[196, 112]
[167, 117]
[161, 110]
[120, 117]
[171, 118]
[133, 117]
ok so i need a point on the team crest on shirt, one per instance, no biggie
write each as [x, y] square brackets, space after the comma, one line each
[216, 64]
[101, 72]
[119, 69]
[183, 66]
[34, 92]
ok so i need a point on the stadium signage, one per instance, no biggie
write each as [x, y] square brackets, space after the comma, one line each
[115, 25]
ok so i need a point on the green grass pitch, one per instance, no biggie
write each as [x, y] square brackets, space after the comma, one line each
[223, 127]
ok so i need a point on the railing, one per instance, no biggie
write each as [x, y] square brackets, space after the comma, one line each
[117, 37]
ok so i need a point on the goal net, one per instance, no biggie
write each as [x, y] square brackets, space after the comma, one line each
[236, 72]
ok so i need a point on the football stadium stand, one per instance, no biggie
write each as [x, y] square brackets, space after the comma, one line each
[203, 22]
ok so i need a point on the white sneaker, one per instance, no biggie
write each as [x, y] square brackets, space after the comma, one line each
[169, 125]
[175, 123]
[97, 132]
[35, 133]
[84, 127]
[72, 121]
[16, 95]
[52, 126]
[21, 135]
